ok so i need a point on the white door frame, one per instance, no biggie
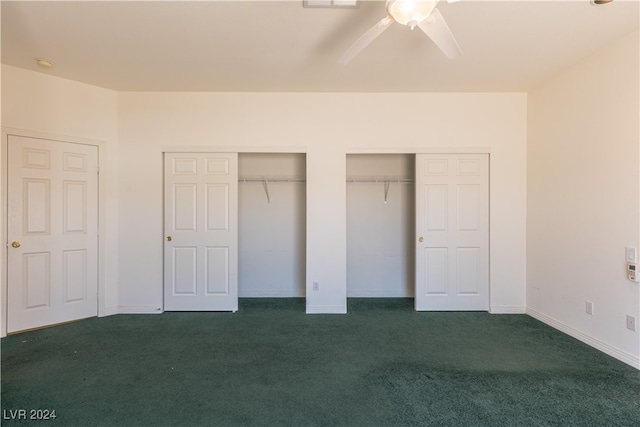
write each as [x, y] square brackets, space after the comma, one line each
[222, 149]
[102, 191]
[439, 150]
[199, 234]
[448, 240]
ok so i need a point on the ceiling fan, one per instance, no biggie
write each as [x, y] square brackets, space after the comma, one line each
[412, 13]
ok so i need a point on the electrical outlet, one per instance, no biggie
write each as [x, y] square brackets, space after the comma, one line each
[589, 308]
[631, 323]
[316, 286]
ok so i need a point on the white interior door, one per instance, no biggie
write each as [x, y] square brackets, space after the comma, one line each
[52, 206]
[452, 232]
[201, 232]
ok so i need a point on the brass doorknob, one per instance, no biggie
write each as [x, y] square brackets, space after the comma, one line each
[169, 238]
[15, 244]
[420, 239]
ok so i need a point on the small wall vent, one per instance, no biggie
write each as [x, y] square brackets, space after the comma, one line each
[331, 4]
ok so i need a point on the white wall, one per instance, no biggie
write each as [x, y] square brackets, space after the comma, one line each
[582, 207]
[137, 127]
[35, 104]
[583, 155]
[326, 127]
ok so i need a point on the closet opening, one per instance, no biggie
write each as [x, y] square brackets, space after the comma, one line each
[271, 225]
[380, 226]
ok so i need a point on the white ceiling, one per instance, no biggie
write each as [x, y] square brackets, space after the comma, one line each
[279, 46]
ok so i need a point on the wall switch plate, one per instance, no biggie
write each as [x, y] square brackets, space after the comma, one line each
[589, 308]
[631, 254]
[631, 323]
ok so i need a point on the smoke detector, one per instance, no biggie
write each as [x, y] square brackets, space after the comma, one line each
[44, 63]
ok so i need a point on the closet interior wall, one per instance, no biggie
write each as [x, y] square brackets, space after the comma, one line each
[380, 225]
[271, 224]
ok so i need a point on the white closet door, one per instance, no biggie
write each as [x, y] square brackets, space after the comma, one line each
[201, 232]
[52, 208]
[452, 232]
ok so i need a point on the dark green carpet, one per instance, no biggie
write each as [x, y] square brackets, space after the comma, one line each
[271, 364]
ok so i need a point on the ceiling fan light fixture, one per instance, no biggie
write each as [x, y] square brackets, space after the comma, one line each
[410, 12]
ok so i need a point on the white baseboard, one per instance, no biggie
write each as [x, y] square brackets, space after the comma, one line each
[327, 309]
[508, 309]
[110, 311]
[378, 294]
[131, 309]
[270, 294]
[612, 351]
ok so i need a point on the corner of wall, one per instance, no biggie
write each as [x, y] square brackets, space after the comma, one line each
[581, 168]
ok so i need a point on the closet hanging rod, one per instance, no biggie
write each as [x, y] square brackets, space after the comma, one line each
[354, 180]
[270, 180]
[381, 180]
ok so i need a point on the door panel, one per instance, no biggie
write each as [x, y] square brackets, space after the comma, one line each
[184, 262]
[217, 278]
[74, 263]
[74, 214]
[469, 271]
[436, 207]
[468, 207]
[436, 268]
[217, 207]
[36, 284]
[184, 207]
[201, 248]
[52, 205]
[452, 227]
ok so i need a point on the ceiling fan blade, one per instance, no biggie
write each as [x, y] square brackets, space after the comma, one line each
[366, 39]
[437, 29]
